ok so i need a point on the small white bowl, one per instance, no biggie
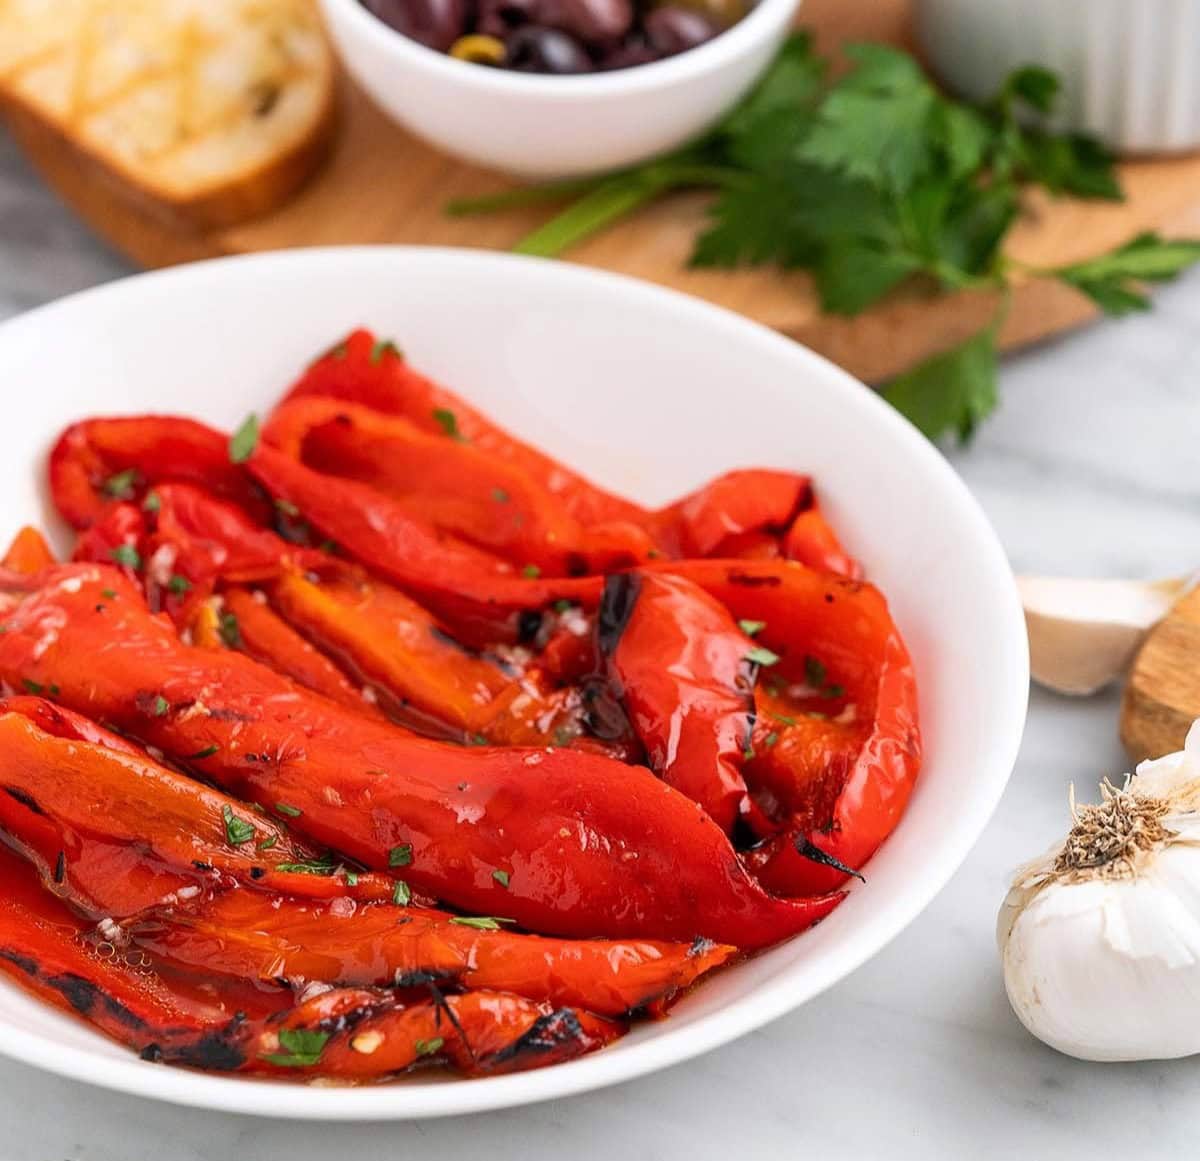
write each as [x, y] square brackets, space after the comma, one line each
[1130, 68]
[648, 392]
[537, 126]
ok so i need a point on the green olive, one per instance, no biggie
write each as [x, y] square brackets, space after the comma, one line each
[479, 49]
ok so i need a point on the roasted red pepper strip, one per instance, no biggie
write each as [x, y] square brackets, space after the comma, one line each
[369, 1033]
[252, 626]
[28, 553]
[361, 370]
[450, 484]
[427, 680]
[115, 832]
[57, 956]
[114, 537]
[101, 460]
[679, 665]
[846, 627]
[591, 847]
[253, 936]
[812, 541]
[380, 533]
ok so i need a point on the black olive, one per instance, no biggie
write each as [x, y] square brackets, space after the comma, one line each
[671, 30]
[536, 49]
[592, 21]
[434, 23]
[633, 50]
[499, 17]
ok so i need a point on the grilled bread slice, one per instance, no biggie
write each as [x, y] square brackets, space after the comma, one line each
[211, 111]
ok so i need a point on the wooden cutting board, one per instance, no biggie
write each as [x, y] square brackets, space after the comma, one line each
[1162, 696]
[382, 185]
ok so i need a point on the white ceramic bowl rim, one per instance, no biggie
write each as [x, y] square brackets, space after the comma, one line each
[709, 56]
[1004, 715]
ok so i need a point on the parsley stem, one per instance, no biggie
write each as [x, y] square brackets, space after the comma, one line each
[514, 199]
[616, 197]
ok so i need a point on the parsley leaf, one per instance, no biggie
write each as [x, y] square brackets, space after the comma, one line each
[127, 555]
[245, 440]
[480, 922]
[237, 830]
[429, 1047]
[302, 1048]
[401, 893]
[751, 628]
[952, 391]
[230, 631]
[448, 421]
[400, 856]
[122, 485]
[1112, 281]
[760, 655]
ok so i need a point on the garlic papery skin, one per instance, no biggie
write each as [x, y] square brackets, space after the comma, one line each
[1100, 938]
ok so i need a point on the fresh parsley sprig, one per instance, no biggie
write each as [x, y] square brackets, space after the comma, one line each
[873, 181]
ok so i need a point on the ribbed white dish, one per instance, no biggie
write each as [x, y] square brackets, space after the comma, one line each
[1130, 68]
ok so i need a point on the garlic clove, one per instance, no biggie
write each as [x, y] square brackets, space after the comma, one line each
[1083, 633]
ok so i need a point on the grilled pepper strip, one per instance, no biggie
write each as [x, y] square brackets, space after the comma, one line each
[362, 370]
[428, 681]
[369, 1033]
[679, 664]
[114, 832]
[253, 936]
[28, 553]
[450, 484]
[591, 847]
[845, 626]
[101, 460]
[59, 958]
[249, 624]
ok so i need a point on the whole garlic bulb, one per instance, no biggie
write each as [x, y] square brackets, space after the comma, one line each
[1100, 938]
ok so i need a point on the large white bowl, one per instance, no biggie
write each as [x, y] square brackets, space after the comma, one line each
[555, 126]
[648, 391]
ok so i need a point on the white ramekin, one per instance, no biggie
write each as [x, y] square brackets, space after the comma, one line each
[1130, 68]
[555, 126]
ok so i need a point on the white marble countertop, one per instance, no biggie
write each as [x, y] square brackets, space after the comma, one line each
[1089, 467]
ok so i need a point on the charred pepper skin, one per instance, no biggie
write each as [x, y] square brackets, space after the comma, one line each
[593, 847]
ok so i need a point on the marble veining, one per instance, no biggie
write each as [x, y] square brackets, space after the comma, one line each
[1090, 467]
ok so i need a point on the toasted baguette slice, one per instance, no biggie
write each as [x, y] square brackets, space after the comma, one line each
[210, 110]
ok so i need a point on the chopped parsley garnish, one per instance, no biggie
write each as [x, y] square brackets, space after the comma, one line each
[501, 877]
[772, 738]
[32, 686]
[785, 719]
[152, 502]
[761, 656]
[286, 507]
[160, 707]
[401, 893]
[750, 628]
[429, 1047]
[321, 865]
[748, 754]
[400, 856]
[268, 842]
[448, 421]
[108, 594]
[54, 690]
[121, 485]
[480, 922]
[500, 496]
[127, 555]
[385, 347]
[815, 672]
[531, 571]
[302, 1048]
[245, 440]
[562, 605]
[351, 878]
[179, 585]
[237, 830]
[288, 809]
[207, 752]
[230, 631]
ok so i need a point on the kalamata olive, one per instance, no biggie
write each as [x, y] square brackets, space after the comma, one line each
[434, 23]
[534, 48]
[499, 17]
[723, 13]
[633, 50]
[670, 30]
[592, 21]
